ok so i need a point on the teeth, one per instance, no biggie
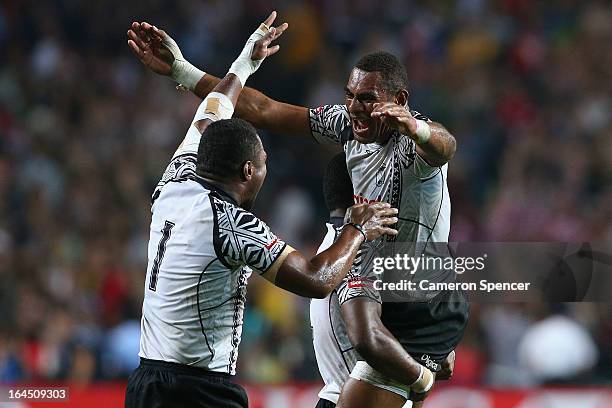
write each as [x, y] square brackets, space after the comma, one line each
[361, 124]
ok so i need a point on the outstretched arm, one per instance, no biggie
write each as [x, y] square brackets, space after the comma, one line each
[160, 53]
[262, 111]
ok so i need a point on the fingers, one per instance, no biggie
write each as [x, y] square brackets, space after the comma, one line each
[161, 33]
[387, 212]
[270, 19]
[386, 231]
[280, 30]
[267, 38]
[272, 34]
[273, 50]
[135, 49]
[387, 220]
[389, 109]
[378, 206]
[138, 40]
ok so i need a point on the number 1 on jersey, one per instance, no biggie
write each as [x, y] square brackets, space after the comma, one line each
[161, 250]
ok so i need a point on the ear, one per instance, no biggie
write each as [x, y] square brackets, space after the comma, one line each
[401, 97]
[247, 171]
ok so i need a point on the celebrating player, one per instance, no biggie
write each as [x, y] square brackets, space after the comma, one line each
[393, 155]
[204, 244]
[338, 349]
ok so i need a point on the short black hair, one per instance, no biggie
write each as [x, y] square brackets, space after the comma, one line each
[225, 146]
[391, 69]
[337, 186]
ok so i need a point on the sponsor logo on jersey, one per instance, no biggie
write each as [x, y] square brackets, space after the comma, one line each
[359, 282]
[362, 200]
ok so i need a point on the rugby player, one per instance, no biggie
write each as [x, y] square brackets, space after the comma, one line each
[333, 344]
[393, 155]
[204, 245]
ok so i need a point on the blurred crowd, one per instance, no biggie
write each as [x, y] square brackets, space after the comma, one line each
[86, 132]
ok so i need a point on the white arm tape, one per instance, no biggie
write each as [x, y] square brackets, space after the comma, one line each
[185, 74]
[215, 106]
[244, 66]
[423, 131]
[424, 382]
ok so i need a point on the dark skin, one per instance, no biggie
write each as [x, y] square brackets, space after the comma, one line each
[375, 343]
[364, 97]
[318, 276]
[367, 98]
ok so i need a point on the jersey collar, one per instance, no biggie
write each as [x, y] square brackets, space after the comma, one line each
[216, 190]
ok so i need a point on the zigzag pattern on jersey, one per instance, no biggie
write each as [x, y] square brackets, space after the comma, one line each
[359, 281]
[182, 167]
[331, 122]
[244, 238]
[239, 302]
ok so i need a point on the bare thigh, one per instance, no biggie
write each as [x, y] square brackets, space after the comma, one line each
[360, 394]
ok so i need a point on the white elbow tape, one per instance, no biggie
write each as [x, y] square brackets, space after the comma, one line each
[215, 106]
[424, 382]
[423, 131]
[244, 66]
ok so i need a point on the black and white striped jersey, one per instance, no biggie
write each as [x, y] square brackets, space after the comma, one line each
[202, 250]
[392, 173]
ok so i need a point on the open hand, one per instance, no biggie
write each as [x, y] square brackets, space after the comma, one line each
[374, 218]
[153, 47]
[261, 47]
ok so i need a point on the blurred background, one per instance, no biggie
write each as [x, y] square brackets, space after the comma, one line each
[86, 132]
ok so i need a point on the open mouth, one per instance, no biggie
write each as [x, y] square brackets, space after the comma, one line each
[360, 125]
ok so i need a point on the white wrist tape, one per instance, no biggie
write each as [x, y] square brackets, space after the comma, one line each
[215, 106]
[185, 74]
[244, 66]
[183, 71]
[423, 131]
[424, 382]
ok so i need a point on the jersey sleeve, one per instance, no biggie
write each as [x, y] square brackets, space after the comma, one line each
[242, 239]
[359, 282]
[330, 124]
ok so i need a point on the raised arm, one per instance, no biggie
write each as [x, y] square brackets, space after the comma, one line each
[434, 143]
[160, 53]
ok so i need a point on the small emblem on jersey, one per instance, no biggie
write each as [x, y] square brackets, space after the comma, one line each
[359, 282]
[271, 244]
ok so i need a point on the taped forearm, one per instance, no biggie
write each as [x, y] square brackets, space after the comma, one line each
[215, 106]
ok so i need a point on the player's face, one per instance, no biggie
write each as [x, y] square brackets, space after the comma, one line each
[362, 91]
[258, 175]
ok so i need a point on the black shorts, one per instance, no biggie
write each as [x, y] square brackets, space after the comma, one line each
[428, 331]
[157, 384]
[323, 403]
